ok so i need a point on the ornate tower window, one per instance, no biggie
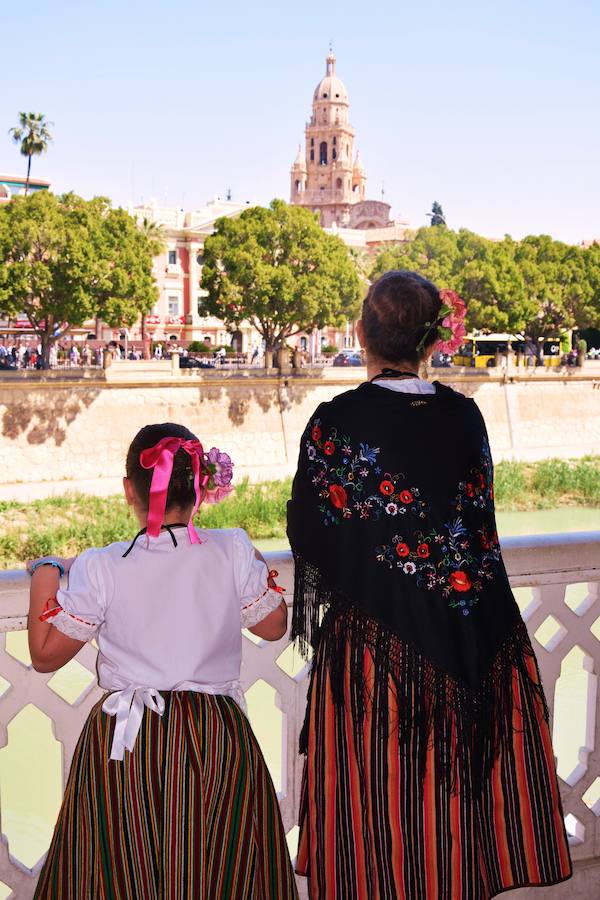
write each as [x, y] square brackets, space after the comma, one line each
[312, 155]
[334, 140]
[334, 153]
[338, 183]
[323, 153]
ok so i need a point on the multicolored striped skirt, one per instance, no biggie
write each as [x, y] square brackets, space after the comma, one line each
[189, 814]
[374, 827]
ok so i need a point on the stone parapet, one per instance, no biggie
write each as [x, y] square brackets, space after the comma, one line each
[69, 430]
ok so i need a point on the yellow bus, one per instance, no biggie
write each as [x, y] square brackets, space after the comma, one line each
[480, 350]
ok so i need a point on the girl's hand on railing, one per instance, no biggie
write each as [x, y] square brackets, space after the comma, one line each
[64, 562]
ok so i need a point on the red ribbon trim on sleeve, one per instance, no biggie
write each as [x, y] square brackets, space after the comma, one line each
[50, 611]
[271, 582]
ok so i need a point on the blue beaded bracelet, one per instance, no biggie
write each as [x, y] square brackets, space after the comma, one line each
[47, 562]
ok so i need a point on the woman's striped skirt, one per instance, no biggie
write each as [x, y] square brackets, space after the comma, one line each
[373, 828]
[189, 814]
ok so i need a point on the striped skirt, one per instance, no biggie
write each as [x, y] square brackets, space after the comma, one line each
[190, 814]
[371, 828]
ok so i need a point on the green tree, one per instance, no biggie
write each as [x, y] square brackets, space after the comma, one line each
[33, 135]
[64, 260]
[562, 284]
[279, 270]
[436, 214]
[537, 286]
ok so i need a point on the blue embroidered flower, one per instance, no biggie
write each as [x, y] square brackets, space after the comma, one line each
[368, 454]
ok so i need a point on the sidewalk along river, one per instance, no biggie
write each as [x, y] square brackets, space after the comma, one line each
[30, 789]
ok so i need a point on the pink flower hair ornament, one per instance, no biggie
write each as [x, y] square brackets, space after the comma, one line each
[213, 474]
[450, 323]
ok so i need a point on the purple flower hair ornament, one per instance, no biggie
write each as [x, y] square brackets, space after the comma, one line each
[220, 469]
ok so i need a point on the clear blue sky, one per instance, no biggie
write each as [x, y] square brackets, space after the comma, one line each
[491, 109]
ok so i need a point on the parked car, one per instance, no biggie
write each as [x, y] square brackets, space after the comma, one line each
[190, 362]
[348, 358]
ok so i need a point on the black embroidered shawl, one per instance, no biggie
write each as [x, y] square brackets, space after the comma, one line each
[392, 527]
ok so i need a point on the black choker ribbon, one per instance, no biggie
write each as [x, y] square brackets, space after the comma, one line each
[394, 373]
[163, 528]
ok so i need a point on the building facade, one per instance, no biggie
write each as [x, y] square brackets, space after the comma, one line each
[180, 314]
[13, 186]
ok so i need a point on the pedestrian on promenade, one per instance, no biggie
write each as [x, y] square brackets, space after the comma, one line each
[168, 794]
[429, 770]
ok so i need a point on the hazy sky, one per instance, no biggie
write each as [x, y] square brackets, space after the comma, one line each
[491, 109]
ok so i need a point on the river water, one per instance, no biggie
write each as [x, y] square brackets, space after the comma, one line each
[30, 788]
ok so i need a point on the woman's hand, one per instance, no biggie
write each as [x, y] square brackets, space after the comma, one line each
[65, 562]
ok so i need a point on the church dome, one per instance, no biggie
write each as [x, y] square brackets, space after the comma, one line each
[331, 87]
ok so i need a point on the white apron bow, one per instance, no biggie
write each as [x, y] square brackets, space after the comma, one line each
[128, 706]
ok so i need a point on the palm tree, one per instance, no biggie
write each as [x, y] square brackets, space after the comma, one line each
[33, 134]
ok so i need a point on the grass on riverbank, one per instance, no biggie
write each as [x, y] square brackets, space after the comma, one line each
[67, 525]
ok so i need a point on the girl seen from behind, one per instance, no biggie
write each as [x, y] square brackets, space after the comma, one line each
[168, 795]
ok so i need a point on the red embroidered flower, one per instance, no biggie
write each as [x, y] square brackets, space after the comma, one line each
[316, 434]
[329, 448]
[387, 487]
[406, 497]
[338, 496]
[402, 549]
[484, 542]
[470, 490]
[460, 581]
[482, 481]
[423, 550]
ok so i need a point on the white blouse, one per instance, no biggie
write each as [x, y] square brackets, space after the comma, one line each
[407, 385]
[165, 618]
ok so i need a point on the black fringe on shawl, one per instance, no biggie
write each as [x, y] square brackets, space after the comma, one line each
[467, 727]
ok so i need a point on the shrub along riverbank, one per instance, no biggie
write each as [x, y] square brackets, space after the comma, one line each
[67, 525]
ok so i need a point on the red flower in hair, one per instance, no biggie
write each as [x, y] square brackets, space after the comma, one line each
[460, 581]
[338, 496]
[329, 448]
[406, 497]
[387, 487]
[316, 434]
[402, 549]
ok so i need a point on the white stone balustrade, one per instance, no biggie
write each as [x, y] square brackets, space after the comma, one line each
[557, 583]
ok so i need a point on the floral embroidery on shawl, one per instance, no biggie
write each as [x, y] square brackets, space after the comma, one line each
[454, 560]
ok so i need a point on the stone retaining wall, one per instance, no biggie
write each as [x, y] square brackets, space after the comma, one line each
[64, 431]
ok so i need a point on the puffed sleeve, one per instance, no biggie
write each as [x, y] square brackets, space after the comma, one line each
[257, 599]
[82, 604]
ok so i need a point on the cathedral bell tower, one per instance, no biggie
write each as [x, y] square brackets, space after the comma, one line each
[326, 178]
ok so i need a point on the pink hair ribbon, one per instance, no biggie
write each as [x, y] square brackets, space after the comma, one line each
[160, 458]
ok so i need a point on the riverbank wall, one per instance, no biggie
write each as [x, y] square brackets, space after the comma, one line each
[69, 431]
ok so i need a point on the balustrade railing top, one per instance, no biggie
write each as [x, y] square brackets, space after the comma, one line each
[556, 579]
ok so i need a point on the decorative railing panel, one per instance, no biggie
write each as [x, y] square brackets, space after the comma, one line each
[557, 584]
